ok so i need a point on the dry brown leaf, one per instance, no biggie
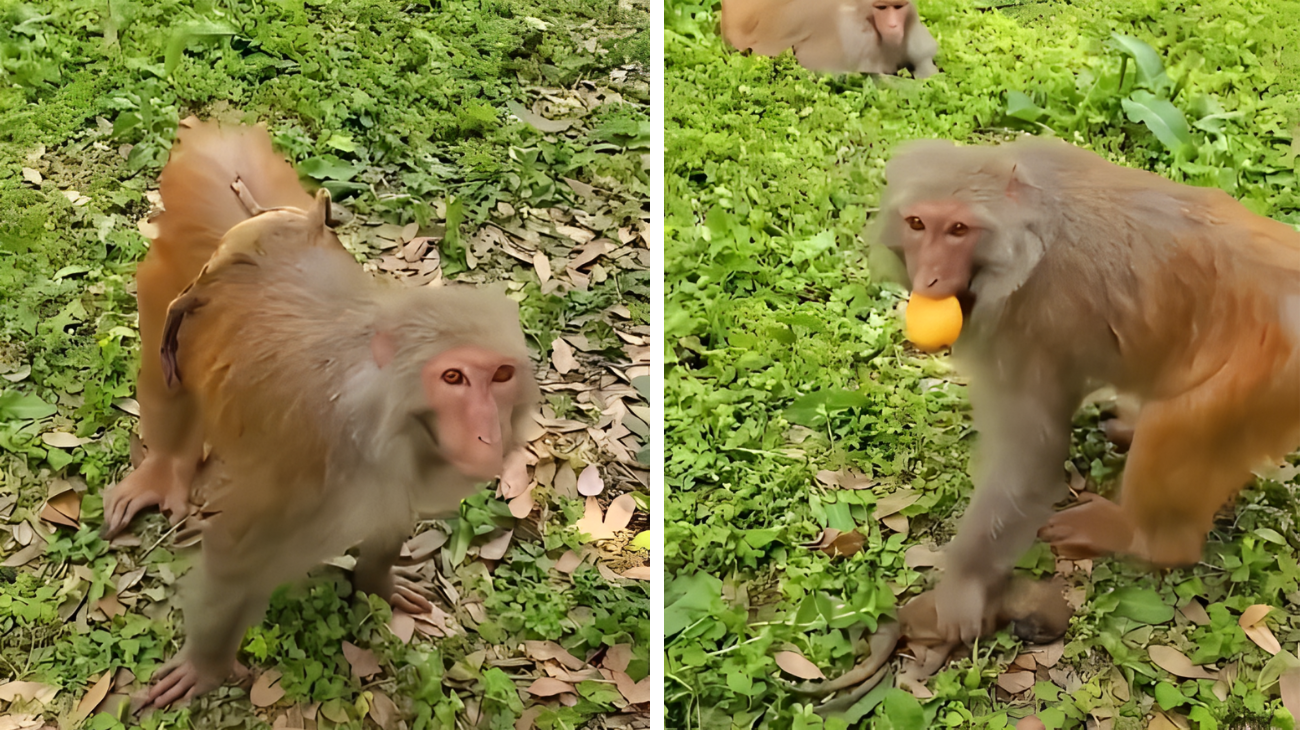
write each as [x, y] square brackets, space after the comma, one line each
[544, 650]
[1162, 721]
[266, 690]
[363, 661]
[620, 512]
[514, 475]
[1047, 655]
[794, 663]
[589, 482]
[383, 710]
[568, 562]
[923, 556]
[844, 545]
[497, 547]
[593, 522]
[63, 440]
[543, 267]
[893, 503]
[522, 506]
[21, 721]
[94, 696]
[562, 356]
[1026, 662]
[617, 657]
[1252, 622]
[635, 692]
[421, 547]
[38, 691]
[826, 537]
[528, 719]
[402, 625]
[547, 687]
[63, 508]
[1195, 612]
[895, 522]
[1176, 663]
[1016, 682]
[640, 572]
[1289, 686]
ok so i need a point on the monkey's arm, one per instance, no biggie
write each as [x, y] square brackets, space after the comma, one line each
[1024, 428]
[921, 50]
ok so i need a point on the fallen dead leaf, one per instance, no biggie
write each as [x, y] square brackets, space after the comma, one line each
[421, 547]
[895, 522]
[383, 710]
[266, 690]
[363, 661]
[63, 508]
[543, 267]
[1176, 663]
[794, 663]
[544, 650]
[589, 482]
[402, 626]
[1252, 622]
[497, 547]
[93, 697]
[562, 356]
[635, 692]
[640, 572]
[62, 440]
[1016, 682]
[1163, 721]
[522, 506]
[568, 562]
[547, 687]
[1289, 686]
[893, 503]
[20, 721]
[38, 691]
[617, 657]
[1195, 612]
[923, 556]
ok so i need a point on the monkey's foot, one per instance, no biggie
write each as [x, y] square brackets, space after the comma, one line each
[181, 681]
[1095, 526]
[158, 481]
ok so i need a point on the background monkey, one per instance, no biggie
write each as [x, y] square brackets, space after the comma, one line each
[836, 36]
[336, 408]
[1073, 271]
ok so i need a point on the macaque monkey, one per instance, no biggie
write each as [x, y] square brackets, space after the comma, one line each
[835, 36]
[1073, 272]
[334, 408]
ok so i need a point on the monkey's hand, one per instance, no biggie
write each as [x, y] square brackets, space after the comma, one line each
[408, 599]
[180, 681]
[961, 604]
[1095, 526]
[157, 481]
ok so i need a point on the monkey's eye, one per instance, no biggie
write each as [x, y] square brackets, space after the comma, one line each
[453, 377]
[958, 229]
[915, 223]
[503, 374]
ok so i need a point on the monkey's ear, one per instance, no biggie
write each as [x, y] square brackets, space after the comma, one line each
[383, 348]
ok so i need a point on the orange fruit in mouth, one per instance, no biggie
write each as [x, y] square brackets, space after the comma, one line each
[932, 323]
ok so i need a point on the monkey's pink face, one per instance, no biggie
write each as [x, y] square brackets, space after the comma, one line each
[939, 238]
[890, 18]
[473, 392]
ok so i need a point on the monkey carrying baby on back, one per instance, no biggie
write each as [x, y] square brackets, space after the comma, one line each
[1066, 272]
[333, 408]
[834, 36]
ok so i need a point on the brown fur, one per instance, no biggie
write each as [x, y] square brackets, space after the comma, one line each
[837, 36]
[1083, 272]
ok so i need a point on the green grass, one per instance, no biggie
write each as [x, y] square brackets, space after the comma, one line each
[402, 110]
[785, 358]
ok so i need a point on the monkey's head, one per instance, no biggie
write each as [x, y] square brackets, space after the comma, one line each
[466, 349]
[890, 18]
[958, 217]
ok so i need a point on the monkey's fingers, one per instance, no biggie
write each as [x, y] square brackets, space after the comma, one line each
[409, 600]
[178, 683]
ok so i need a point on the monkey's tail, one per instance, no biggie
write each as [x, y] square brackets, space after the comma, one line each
[199, 202]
